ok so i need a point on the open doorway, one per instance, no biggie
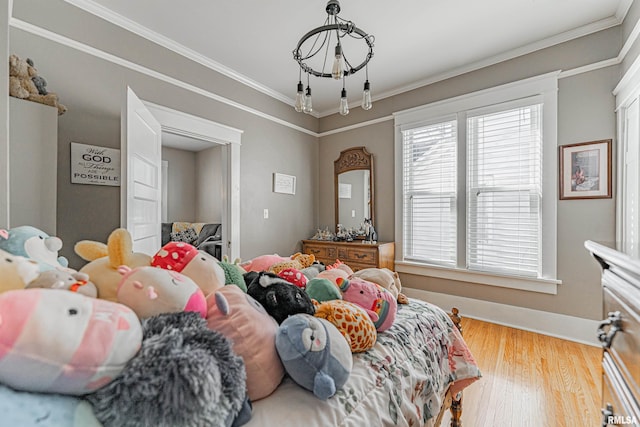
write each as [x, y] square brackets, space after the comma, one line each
[224, 143]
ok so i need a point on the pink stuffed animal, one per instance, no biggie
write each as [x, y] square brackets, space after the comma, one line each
[252, 331]
[64, 342]
[379, 303]
[199, 266]
[149, 291]
[263, 262]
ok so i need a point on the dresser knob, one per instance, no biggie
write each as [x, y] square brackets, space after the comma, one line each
[607, 414]
[614, 322]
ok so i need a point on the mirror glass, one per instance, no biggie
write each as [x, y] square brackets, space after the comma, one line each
[354, 195]
[353, 198]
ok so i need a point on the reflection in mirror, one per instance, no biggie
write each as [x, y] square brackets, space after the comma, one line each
[353, 198]
[354, 195]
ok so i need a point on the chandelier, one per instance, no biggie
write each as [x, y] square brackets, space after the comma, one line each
[318, 42]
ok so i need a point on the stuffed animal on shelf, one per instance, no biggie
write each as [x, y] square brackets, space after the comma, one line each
[199, 266]
[184, 375]
[298, 261]
[33, 243]
[352, 321]
[104, 261]
[24, 83]
[386, 278]
[314, 354]
[279, 297]
[63, 342]
[70, 281]
[149, 291]
[16, 272]
[379, 303]
[252, 331]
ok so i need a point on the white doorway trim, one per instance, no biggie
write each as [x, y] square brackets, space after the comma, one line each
[180, 123]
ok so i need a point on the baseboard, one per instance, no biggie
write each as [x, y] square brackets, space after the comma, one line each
[553, 324]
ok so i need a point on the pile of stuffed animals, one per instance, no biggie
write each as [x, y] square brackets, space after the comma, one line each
[25, 83]
[175, 339]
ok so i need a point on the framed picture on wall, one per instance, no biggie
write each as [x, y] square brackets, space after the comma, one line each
[585, 170]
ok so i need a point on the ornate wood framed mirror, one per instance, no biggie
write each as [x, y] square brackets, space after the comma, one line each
[353, 188]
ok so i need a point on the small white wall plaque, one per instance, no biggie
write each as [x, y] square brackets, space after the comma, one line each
[95, 165]
[285, 184]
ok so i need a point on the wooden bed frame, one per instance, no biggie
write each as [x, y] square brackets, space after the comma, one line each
[452, 403]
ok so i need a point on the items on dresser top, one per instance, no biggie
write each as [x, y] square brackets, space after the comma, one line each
[358, 255]
[619, 334]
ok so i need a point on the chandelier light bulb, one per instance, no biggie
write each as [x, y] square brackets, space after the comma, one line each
[308, 107]
[366, 96]
[338, 64]
[299, 97]
[344, 105]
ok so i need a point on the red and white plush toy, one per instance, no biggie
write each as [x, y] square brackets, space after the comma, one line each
[199, 266]
[294, 276]
[149, 291]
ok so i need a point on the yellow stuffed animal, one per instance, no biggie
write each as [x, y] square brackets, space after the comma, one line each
[16, 272]
[22, 84]
[297, 261]
[105, 260]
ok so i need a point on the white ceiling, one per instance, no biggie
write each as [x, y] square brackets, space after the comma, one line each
[416, 41]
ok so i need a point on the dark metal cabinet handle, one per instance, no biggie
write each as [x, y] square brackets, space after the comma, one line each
[614, 322]
[606, 413]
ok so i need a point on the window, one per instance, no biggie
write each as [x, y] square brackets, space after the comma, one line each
[477, 176]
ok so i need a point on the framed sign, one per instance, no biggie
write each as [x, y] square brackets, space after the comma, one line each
[95, 165]
[585, 170]
[285, 184]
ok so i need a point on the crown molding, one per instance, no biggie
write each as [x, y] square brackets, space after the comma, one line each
[530, 48]
[144, 32]
[74, 44]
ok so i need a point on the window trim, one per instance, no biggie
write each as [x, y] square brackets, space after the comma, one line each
[546, 86]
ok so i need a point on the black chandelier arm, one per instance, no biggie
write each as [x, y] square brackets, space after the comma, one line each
[347, 29]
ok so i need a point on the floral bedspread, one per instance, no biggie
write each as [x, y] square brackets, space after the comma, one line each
[401, 381]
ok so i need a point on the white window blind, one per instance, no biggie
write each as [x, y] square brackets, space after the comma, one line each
[504, 191]
[429, 193]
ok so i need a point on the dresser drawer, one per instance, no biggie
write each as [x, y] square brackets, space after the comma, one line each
[322, 252]
[361, 255]
[618, 405]
[623, 345]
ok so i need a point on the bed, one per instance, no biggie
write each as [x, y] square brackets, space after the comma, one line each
[416, 370]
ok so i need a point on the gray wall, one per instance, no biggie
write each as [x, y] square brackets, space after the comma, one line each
[93, 88]
[4, 114]
[586, 113]
[209, 185]
[182, 184]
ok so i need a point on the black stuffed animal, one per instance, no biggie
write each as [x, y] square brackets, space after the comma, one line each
[279, 297]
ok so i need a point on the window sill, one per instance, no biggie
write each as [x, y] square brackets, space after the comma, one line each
[545, 286]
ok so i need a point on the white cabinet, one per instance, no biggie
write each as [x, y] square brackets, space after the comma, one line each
[33, 165]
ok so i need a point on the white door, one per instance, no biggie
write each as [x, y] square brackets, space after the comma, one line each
[141, 191]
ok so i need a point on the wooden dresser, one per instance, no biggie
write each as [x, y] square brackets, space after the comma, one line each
[356, 255]
[619, 334]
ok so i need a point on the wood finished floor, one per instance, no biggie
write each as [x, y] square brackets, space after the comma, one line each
[530, 380]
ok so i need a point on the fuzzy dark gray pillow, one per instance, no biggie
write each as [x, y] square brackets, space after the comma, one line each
[184, 375]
